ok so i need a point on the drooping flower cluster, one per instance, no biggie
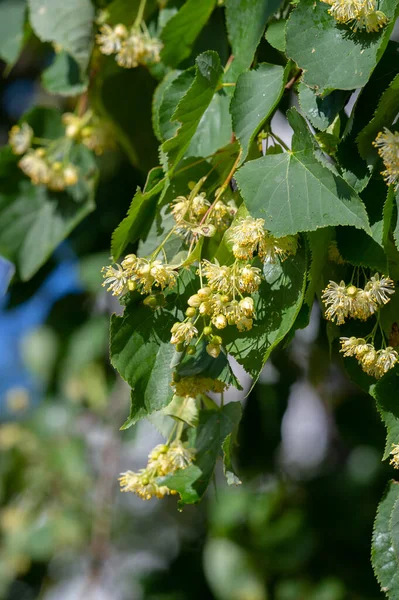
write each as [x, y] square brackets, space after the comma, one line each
[197, 384]
[132, 47]
[139, 274]
[46, 166]
[249, 236]
[190, 214]
[163, 460]
[88, 130]
[373, 362]
[387, 144]
[360, 14]
[343, 301]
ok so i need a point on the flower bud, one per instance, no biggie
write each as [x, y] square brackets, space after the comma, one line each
[191, 350]
[204, 292]
[150, 300]
[219, 321]
[216, 339]
[213, 350]
[194, 300]
[191, 312]
[208, 330]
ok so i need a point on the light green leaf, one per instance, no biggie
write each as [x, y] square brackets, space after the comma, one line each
[275, 34]
[68, 24]
[277, 305]
[181, 31]
[295, 192]
[203, 365]
[385, 562]
[176, 89]
[246, 21]
[183, 409]
[12, 20]
[386, 112]
[193, 105]
[182, 481]
[321, 112]
[331, 56]
[158, 99]
[63, 76]
[256, 95]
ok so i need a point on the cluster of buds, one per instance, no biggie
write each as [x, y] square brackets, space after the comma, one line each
[191, 387]
[387, 144]
[139, 274]
[88, 130]
[132, 47]
[360, 14]
[249, 236]
[163, 460]
[41, 165]
[343, 301]
[373, 362]
[220, 303]
[190, 214]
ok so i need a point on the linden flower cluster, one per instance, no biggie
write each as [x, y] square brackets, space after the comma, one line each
[387, 144]
[40, 165]
[139, 274]
[373, 362]
[343, 301]
[361, 14]
[195, 385]
[163, 460]
[88, 130]
[250, 236]
[190, 214]
[132, 47]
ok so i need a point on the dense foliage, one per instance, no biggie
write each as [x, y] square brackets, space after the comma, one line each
[235, 231]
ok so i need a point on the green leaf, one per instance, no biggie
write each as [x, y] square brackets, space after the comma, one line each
[34, 220]
[214, 130]
[277, 305]
[331, 56]
[321, 112]
[182, 481]
[158, 99]
[228, 469]
[193, 105]
[183, 409]
[213, 428]
[275, 34]
[140, 213]
[319, 241]
[181, 31]
[63, 76]
[68, 24]
[12, 20]
[384, 116]
[141, 352]
[396, 225]
[202, 364]
[256, 95]
[295, 192]
[246, 21]
[385, 562]
[175, 90]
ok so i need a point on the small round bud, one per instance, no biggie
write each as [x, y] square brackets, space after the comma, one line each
[204, 292]
[70, 175]
[208, 330]
[225, 299]
[57, 166]
[191, 350]
[72, 131]
[120, 30]
[150, 301]
[180, 347]
[216, 339]
[194, 300]
[40, 152]
[351, 290]
[213, 350]
[220, 321]
[191, 312]
[132, 286]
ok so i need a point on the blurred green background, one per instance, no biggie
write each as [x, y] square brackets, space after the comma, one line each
[309, 454]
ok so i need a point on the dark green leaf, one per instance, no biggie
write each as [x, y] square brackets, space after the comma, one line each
[256, 95]
[385, 563]
[214, 130]
[321, 112]
[177, 87]
[275, 34]
[246, 21]
[331, 56]
[295, 192]
[181, 31]
[228, 468]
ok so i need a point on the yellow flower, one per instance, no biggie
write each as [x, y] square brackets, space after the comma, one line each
[218, 276]
[110, 38]
[192, 386]
[115, 278]
[387, 144]
[380, 288]
[395, 456]
[249, 279]
[183, 333]
[34, 165]
[20, 138]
